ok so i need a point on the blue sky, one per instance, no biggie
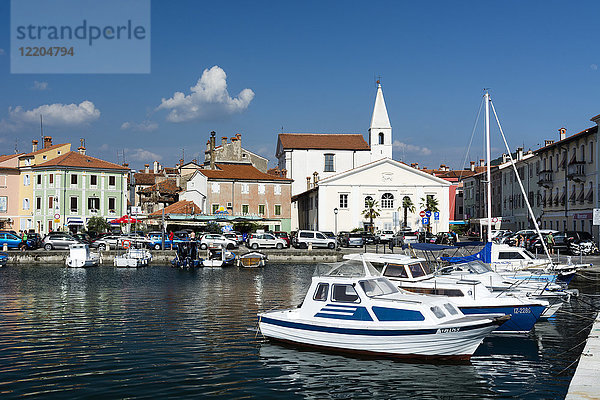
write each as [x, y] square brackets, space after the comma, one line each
[311, 67]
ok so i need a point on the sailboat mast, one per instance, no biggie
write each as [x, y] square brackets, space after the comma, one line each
[489, 168]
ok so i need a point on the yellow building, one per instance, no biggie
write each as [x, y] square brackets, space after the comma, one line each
[28, 179]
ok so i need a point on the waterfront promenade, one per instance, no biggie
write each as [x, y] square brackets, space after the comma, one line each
[585, 385]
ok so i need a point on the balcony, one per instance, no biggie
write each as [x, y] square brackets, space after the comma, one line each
[545, 178]
[576, 171]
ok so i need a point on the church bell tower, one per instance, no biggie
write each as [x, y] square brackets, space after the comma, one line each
[380, 132]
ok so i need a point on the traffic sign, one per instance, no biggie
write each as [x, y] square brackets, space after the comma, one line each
[56, 216]
[436, 215]
[428, 214]
[56, 221]
[422, 214]
[425, 221]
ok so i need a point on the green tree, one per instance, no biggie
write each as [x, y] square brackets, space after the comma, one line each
[213, 227]
[98, 225]
[429, 203]
[407, 205]
[371, 211]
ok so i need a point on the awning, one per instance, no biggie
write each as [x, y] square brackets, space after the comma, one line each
[458, 222]
[71, 221]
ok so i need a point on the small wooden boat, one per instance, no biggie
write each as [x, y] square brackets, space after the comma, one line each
[80, 256]
[253, 259]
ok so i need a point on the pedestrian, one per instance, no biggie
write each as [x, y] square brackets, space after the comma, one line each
[193, 235]
[23, 244]
[550, 242]
[171, 239]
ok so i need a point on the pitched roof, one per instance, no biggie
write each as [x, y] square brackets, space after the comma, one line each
[77, 160]
[239, 171]
[43, 150]
[325, 141]
[589, 131]
[9, 156]
[142, 178]
[380, 117]
[167, 186]
[181, 207]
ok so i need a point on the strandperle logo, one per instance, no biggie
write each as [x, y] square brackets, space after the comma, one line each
[80, 36]
[85, 31]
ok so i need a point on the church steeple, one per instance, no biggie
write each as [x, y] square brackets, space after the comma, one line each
[380, 131]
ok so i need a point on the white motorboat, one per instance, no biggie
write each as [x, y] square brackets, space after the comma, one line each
[80, 256]
[253, 259]
[3, 259]
[353, 309]
[471, 296]
[133, 258]
[218, 257]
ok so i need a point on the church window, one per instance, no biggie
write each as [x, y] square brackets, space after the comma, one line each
[329, 163]
[368, 199]
[381, 137]
[387, 200]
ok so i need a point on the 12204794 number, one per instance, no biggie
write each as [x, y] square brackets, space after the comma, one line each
[54, 51]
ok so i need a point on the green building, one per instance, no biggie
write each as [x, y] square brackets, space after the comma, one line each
[70, 189]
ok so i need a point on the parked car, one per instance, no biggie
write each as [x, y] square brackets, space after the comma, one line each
[355, 239]
[215, 240]
[405, 236]
[368, 237]
[107, 241]
[316, 238]
[83, 238]
[284, 236]
[445, 238]
[11, 241]
[58, 240]
[384, 236]
[154, 241]
[258, 240]
[232, 236]
[34, 240]
[329, 234]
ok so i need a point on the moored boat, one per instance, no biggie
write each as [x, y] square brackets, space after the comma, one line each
[353, 309]
[218, 257]
[133, 258]
[253, 259]
[80, 256]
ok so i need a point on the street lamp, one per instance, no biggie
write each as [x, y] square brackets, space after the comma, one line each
[335, 211]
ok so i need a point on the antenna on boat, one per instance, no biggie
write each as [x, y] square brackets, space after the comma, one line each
[489, 168]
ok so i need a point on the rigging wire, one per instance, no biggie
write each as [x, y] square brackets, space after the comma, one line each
[470, 141]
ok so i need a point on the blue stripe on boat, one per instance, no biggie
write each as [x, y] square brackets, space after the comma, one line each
[395, 314]
[356, 314]
[365, 332]
[522, 318]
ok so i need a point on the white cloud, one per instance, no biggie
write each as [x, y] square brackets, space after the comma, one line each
[40, 85]
[410, 148]
[144, 126]
[143, 155]
[104, 147]
[208, 99]
[2, 52]
[56, 114]
[594, 67]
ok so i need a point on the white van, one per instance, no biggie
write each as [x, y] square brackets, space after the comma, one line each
[318, 239]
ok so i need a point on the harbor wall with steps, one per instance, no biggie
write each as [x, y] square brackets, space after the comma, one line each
[164, 257]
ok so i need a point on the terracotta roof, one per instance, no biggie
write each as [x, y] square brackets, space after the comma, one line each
[77, 160]
[42, 150]
[168, 186]
[332, 141]
[9, 156]
[239, 171]
[589, 131]
[181, 207]
[142, 178]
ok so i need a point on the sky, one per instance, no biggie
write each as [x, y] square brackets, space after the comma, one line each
[262, 67]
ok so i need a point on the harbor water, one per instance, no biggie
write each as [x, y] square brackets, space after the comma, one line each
[162, 332]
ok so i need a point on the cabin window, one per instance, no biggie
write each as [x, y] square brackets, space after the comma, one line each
[508, 255]
[377, 287]
[345, 294]
[416, 270]
[450, 308]
[437, 312]
[395, 271]
[321, 292]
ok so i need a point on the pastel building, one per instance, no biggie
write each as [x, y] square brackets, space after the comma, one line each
[9, 189]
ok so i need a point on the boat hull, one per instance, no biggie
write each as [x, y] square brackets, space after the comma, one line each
[522, 317]
[447, 343]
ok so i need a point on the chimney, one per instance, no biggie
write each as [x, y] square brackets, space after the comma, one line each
[223, 141]
[126, 165]
[283, 171]
[307, 182]
[47, 141]
[178, 180]
[315, 178]
[34, 144]
[481, 162]
[155, 167]
[519, 153]
[81, 148]
[181, 162]
[417, 165]
[504, 158]
[238, 136]
[195, 161]
[562, 133]
[147, 168]
[212, 150]
[472, 165]
[548, 142]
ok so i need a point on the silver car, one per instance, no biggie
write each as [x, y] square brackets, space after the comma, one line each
[58, 240]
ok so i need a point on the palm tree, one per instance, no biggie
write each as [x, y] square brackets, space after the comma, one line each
[429, 203]
[371, 211]
[407, 205]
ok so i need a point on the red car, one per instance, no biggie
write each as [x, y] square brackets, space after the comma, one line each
[284, 236]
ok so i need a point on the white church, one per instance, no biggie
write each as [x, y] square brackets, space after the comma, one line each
[335, 174]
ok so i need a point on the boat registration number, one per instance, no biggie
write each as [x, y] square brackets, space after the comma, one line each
[522, 310]
[448, 330]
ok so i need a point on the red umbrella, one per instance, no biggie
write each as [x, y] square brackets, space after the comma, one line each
[125, 219]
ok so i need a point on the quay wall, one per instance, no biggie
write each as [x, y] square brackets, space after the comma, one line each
[585, 385]
[164, 257]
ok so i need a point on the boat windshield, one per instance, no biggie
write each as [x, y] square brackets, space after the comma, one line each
[378, 287]
[418, 270]
[529, 254]
[476, 267]
[351, 268]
